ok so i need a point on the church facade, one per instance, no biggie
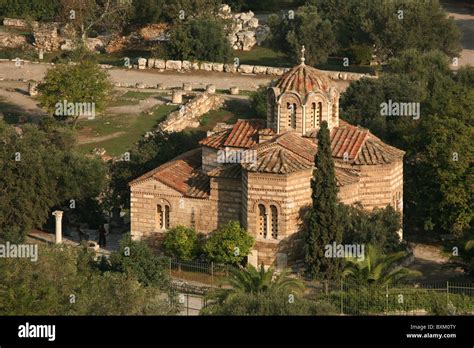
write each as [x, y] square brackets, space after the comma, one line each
[258, 172]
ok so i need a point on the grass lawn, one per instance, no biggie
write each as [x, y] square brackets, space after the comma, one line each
[262, 56]
[229, 113]
[118, 133]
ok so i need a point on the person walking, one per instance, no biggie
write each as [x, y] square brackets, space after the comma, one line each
[102, 236]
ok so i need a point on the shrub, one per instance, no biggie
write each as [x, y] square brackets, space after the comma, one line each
[277, 303]
[199, 39]
[137, 259]
[229, 244]
[181, 242]
[258, 102]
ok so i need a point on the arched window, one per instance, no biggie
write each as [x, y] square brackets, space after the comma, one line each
[167, 217]
[318, 114]
[162, 217]
[274, 221]
[291, 115]
[159, 217]
[262, 221]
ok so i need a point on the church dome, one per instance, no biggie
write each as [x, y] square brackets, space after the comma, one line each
[304, 79]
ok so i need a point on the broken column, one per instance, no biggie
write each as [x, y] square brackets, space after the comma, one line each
[187, 87]
[177, 97]
[234, 90]
[58, 214]
[211, 89]
[32, 88]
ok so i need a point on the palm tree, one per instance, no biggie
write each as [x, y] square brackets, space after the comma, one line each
[378, 269]
[253, 280]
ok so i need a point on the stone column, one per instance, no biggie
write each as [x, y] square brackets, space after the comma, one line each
[59, 233]
[234, 90]
[177, 97]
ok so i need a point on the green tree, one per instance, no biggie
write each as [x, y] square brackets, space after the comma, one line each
[199, 39]
[229, 244]
[148, 11]
[324, 224]
[41, 171]
[378, 269]
[392, 26]
[65, 281]
[40, 10]
[306, 28]
[258, 102]
[378, 227]
[82, 83]
[87, 15]
[139, 261]
[182, 10]
[181, 242]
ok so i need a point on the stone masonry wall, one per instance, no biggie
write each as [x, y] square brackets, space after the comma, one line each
[188, 114]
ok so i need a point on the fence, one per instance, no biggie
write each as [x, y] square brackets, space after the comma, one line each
[192, 280]
[355, 298]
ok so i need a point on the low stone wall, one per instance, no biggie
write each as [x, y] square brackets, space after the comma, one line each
[188, 114]
[177, 65]
[19, 23]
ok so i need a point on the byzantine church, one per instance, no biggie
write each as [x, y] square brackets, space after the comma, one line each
[270, 193]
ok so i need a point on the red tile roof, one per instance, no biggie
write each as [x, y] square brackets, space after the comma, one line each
[244, 134]
[303, 79]
[232, 171]
[182, 174]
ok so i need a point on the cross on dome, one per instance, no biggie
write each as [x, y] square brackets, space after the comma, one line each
[303, 50]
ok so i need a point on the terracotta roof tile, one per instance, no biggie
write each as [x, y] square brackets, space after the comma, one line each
[182, 174]
[303, 79]
[278, 160]
[244, 134]
[232, 171]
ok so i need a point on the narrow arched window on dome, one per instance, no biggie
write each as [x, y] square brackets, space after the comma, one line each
[292, 115]
[318, 115]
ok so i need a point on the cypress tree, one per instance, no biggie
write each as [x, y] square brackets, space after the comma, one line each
[324, 224]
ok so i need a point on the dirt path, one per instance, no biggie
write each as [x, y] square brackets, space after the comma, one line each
[15, 99]
[465, 21]
[435, 266]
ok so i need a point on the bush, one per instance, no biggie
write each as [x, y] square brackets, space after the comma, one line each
[229, 244]
[199, 39]
[360, 54]
[378, 227]
[138, 260]
[181, 242]
[45, 287]
[277, 303]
